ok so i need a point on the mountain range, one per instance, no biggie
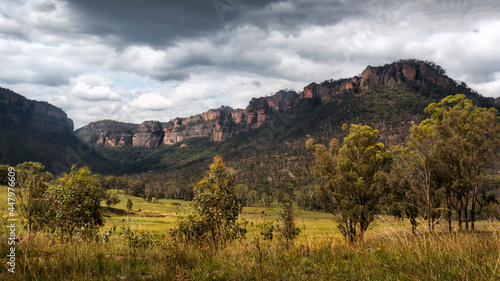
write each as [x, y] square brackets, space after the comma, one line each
[390, 98]
[225, 122]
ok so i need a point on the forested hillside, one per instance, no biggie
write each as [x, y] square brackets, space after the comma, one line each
[272, 163]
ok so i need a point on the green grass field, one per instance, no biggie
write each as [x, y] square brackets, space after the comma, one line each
[160, 217]
[389, 251]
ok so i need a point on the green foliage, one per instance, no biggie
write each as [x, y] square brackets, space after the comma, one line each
[450, 155]
[32, 181]
[131, 159]
[4, 171]
[266, 230]
[405, 198]
[111, 199]
[73, 204]
[352, 180]
[129, 205]
[141, 239]
[215, 209]
[287, 231]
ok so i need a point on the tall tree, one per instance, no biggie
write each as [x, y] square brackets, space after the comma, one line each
[353, 179]
[470, 141]
[404, 200]
[419, 159]
[449, 155]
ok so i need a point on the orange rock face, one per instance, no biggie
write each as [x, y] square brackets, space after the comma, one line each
[410, 71]
[223, 123]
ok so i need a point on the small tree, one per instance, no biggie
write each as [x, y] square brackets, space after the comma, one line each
[111, 199]
[129, 205]
[287, 231]
[32, 181]
[74, 204]
[215, 208]
[352, 179]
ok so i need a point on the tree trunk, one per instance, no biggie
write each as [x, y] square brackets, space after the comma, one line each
[466, 214]
[472, 218]
[473, 208]
[413, 223]
[429, 212]
[449, 218]
[460, 215]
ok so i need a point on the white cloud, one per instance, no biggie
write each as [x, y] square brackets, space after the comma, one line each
[153, 101]
[84, 91]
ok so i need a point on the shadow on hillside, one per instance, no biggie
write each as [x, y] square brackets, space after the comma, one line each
[114, 211]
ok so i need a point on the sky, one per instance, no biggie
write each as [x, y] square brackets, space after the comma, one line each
[137, 60]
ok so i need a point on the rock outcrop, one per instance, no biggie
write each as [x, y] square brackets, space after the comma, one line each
[409, 71]
[108, 133]
[225, 122]
[405, 71]
[19, 112]
[216, 124]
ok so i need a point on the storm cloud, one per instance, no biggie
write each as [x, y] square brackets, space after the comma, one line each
[132, 60]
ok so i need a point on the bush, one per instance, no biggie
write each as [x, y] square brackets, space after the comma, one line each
[215, 209]
[73, 204]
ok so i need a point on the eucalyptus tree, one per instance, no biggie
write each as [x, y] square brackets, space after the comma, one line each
[352, 179]
[469, 143]
[450, 154]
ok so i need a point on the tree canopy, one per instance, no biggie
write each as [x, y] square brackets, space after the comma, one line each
[215, 208]
[352, 179]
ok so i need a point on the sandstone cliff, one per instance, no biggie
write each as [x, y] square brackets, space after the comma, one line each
[19, 112]
[405, 71]
[216, 124]
[108, 133]
[225, 122]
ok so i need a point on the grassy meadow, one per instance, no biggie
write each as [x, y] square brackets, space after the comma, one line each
[388, 252]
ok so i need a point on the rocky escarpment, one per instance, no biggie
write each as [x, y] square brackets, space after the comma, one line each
[404, 71]
[19, 112]
[109, 133]
[216, 124]
[40, 132]
[225, 122]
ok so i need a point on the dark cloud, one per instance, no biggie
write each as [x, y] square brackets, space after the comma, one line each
[160, 23]
[151, 22]
[134, 60]
[45, 6]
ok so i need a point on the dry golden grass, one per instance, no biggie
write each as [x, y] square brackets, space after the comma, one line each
[388, 252]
